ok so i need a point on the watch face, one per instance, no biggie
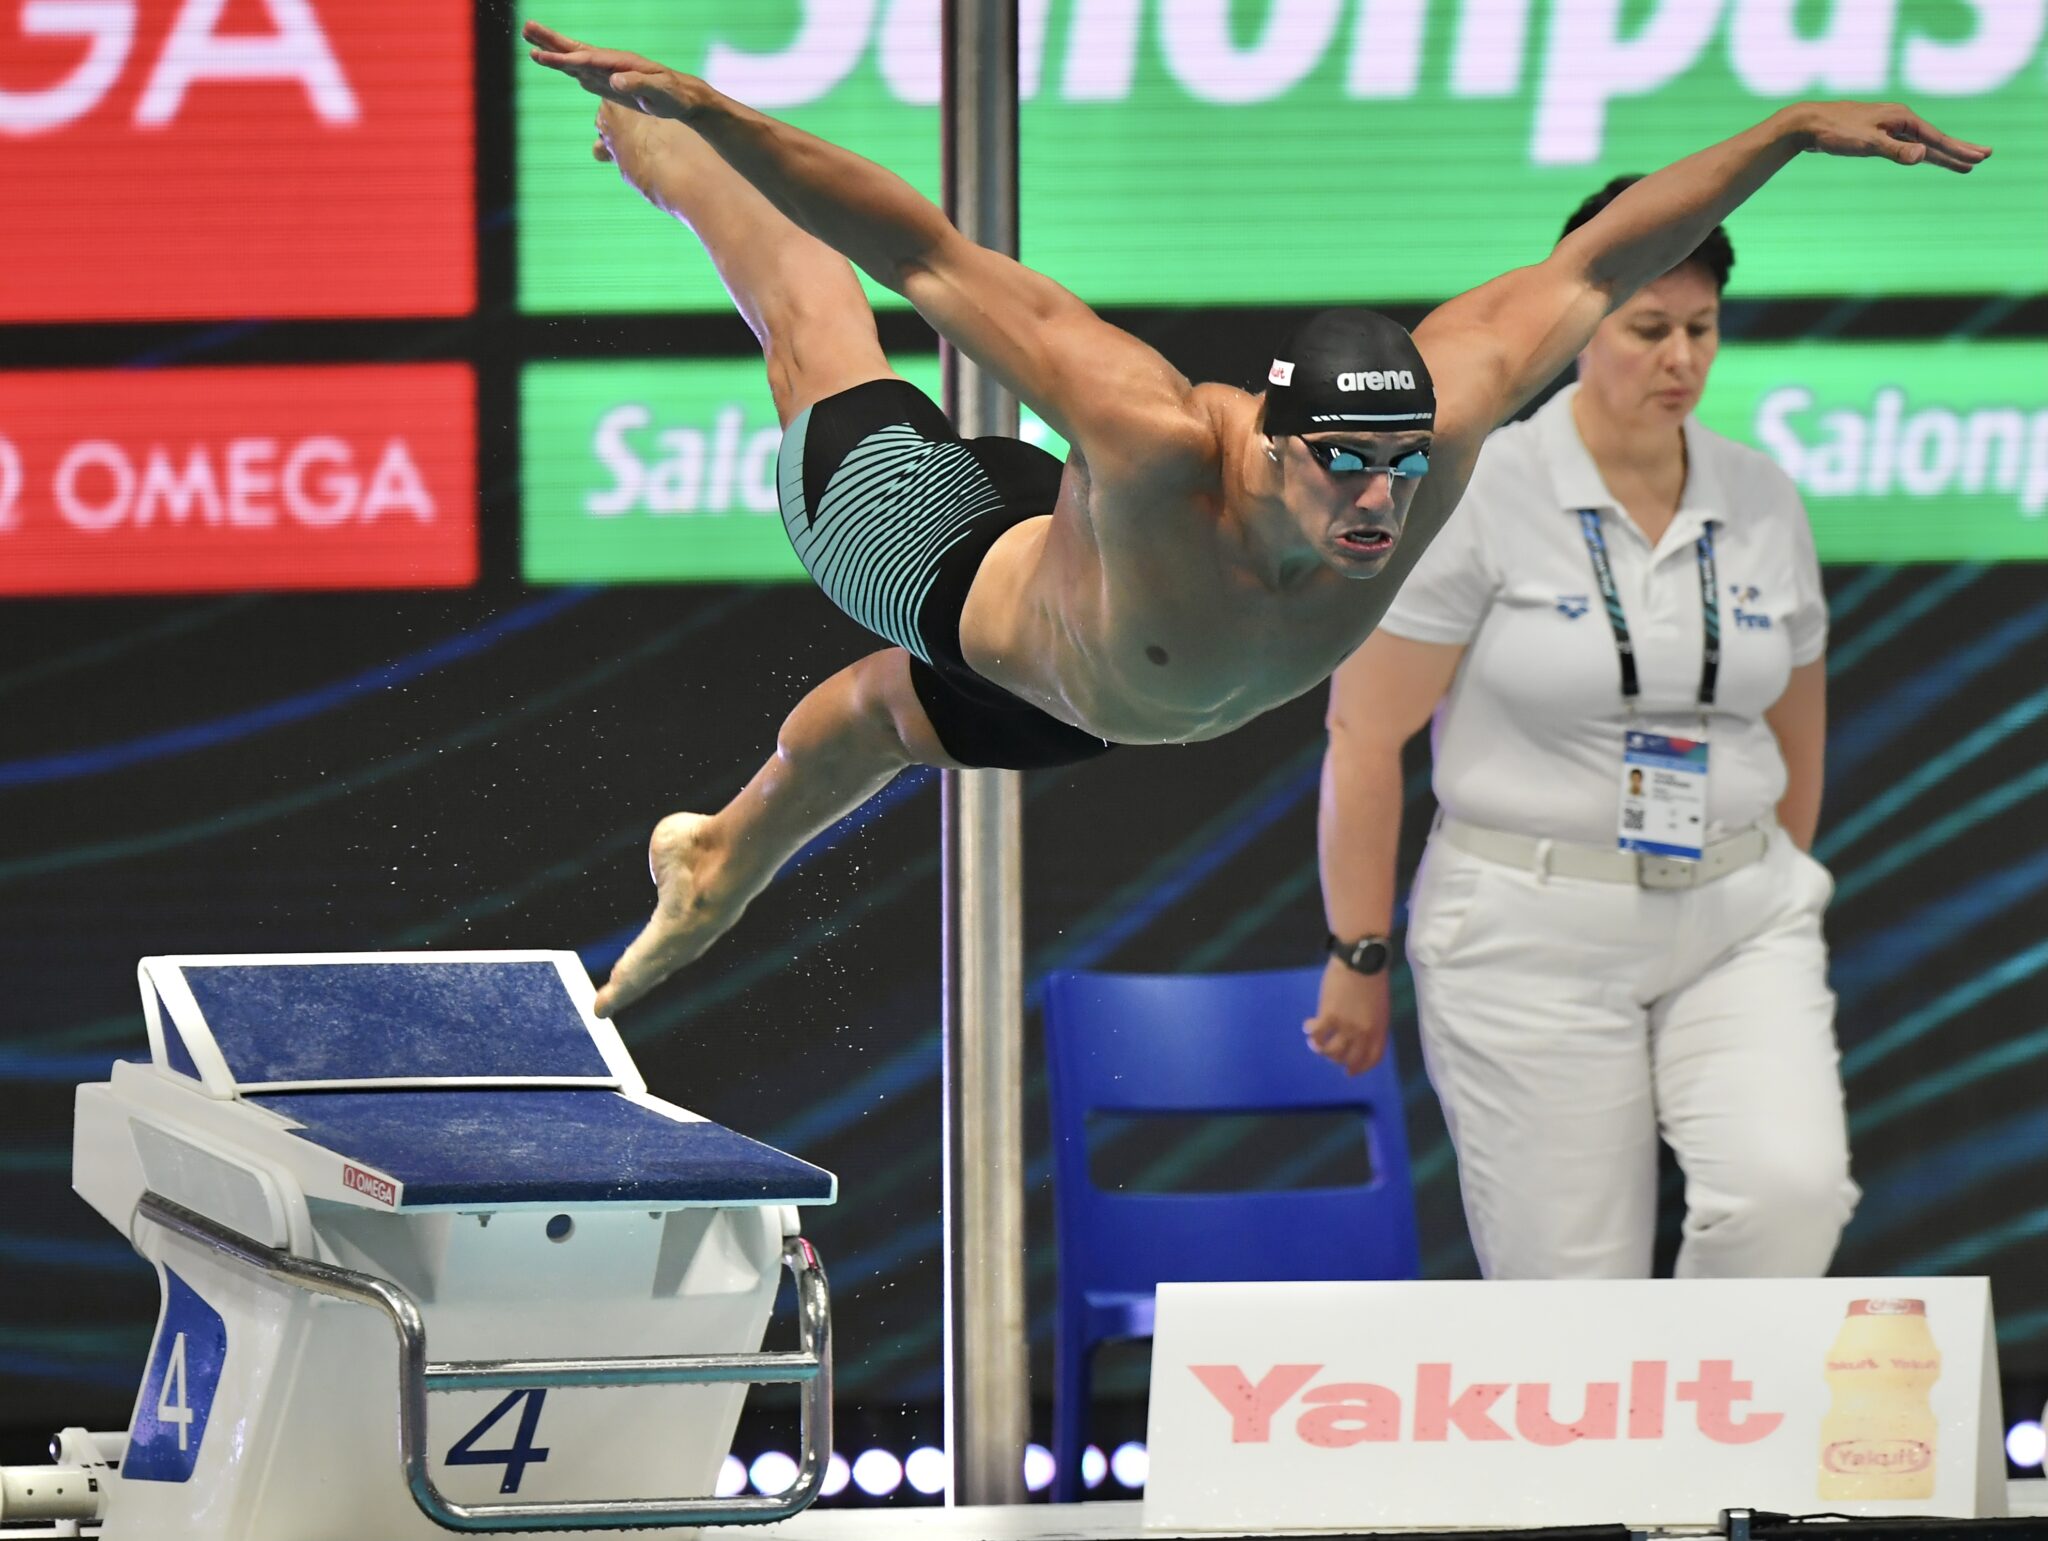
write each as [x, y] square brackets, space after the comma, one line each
[1370, 958]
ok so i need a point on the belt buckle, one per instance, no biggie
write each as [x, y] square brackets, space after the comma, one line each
[1653, 871]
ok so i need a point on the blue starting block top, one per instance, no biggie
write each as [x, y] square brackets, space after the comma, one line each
[475, 1080]
[412, 1019]
[546, 1147]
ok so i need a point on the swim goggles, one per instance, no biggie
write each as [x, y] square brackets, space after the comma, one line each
[1339, 460]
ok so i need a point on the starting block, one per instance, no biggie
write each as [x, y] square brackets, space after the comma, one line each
[374, 1181]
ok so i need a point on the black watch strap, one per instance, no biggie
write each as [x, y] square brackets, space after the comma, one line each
[1367, 955]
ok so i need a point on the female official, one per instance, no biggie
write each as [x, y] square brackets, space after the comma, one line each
[1616, 928]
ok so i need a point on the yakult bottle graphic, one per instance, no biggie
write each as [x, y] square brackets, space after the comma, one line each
[1877, 1440]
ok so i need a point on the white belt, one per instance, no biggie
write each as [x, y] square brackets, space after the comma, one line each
[1566, 859]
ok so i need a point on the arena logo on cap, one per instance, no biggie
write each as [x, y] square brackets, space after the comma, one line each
[1376, 380]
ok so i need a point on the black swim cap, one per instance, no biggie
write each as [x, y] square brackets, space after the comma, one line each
[1349, 369]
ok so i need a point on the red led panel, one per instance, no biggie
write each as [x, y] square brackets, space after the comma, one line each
[185, 159]
[178, 480]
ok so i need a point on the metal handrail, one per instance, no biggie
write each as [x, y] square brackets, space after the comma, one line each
[811, 1367]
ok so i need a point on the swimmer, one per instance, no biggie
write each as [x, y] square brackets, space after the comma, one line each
[1204, 554]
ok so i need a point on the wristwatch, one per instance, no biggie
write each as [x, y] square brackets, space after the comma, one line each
[1367, 955]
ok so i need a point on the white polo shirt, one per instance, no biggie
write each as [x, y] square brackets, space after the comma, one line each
[1529, 737]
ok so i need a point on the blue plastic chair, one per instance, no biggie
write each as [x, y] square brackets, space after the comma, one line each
[1194, 1044]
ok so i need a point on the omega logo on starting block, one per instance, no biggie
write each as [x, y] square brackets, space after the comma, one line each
[370, 1185]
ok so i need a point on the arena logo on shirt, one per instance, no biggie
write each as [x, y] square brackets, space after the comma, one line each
[257, 478]
[202, 124]
[1572, 606]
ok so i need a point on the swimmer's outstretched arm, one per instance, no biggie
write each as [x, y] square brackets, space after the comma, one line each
[1493, 347]
[1104, 391]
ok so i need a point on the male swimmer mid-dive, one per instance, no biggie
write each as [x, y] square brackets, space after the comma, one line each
[1190, 567]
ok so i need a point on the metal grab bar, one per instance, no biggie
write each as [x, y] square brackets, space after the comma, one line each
[811, 1366]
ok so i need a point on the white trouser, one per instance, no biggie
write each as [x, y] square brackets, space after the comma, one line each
[1566, 1023]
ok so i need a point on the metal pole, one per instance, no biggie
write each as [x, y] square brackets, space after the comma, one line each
[988, 1392]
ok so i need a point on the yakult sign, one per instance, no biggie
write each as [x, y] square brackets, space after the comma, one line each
[1367, 1405]
[1172, 150]
[203, 158]
[161, 482]
[1337, 1414]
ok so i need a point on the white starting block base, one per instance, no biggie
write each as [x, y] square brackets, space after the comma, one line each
[374, 1182]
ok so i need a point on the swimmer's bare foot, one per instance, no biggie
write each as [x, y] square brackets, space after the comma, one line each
[693, 909]
[641, 147]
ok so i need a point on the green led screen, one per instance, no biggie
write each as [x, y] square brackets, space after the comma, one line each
[1903, 452]
[1304, 151]
[662, 472]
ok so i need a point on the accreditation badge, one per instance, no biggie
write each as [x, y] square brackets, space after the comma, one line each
[1663, 795]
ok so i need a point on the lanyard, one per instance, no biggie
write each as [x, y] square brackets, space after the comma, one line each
[1710, 608]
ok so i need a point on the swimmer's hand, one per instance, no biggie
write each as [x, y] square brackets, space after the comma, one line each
[617, 76]
[1350, 1024]
[1878, 128]
[694, 906]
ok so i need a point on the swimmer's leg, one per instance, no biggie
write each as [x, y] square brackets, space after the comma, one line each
[841, 745]
[800, 297]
